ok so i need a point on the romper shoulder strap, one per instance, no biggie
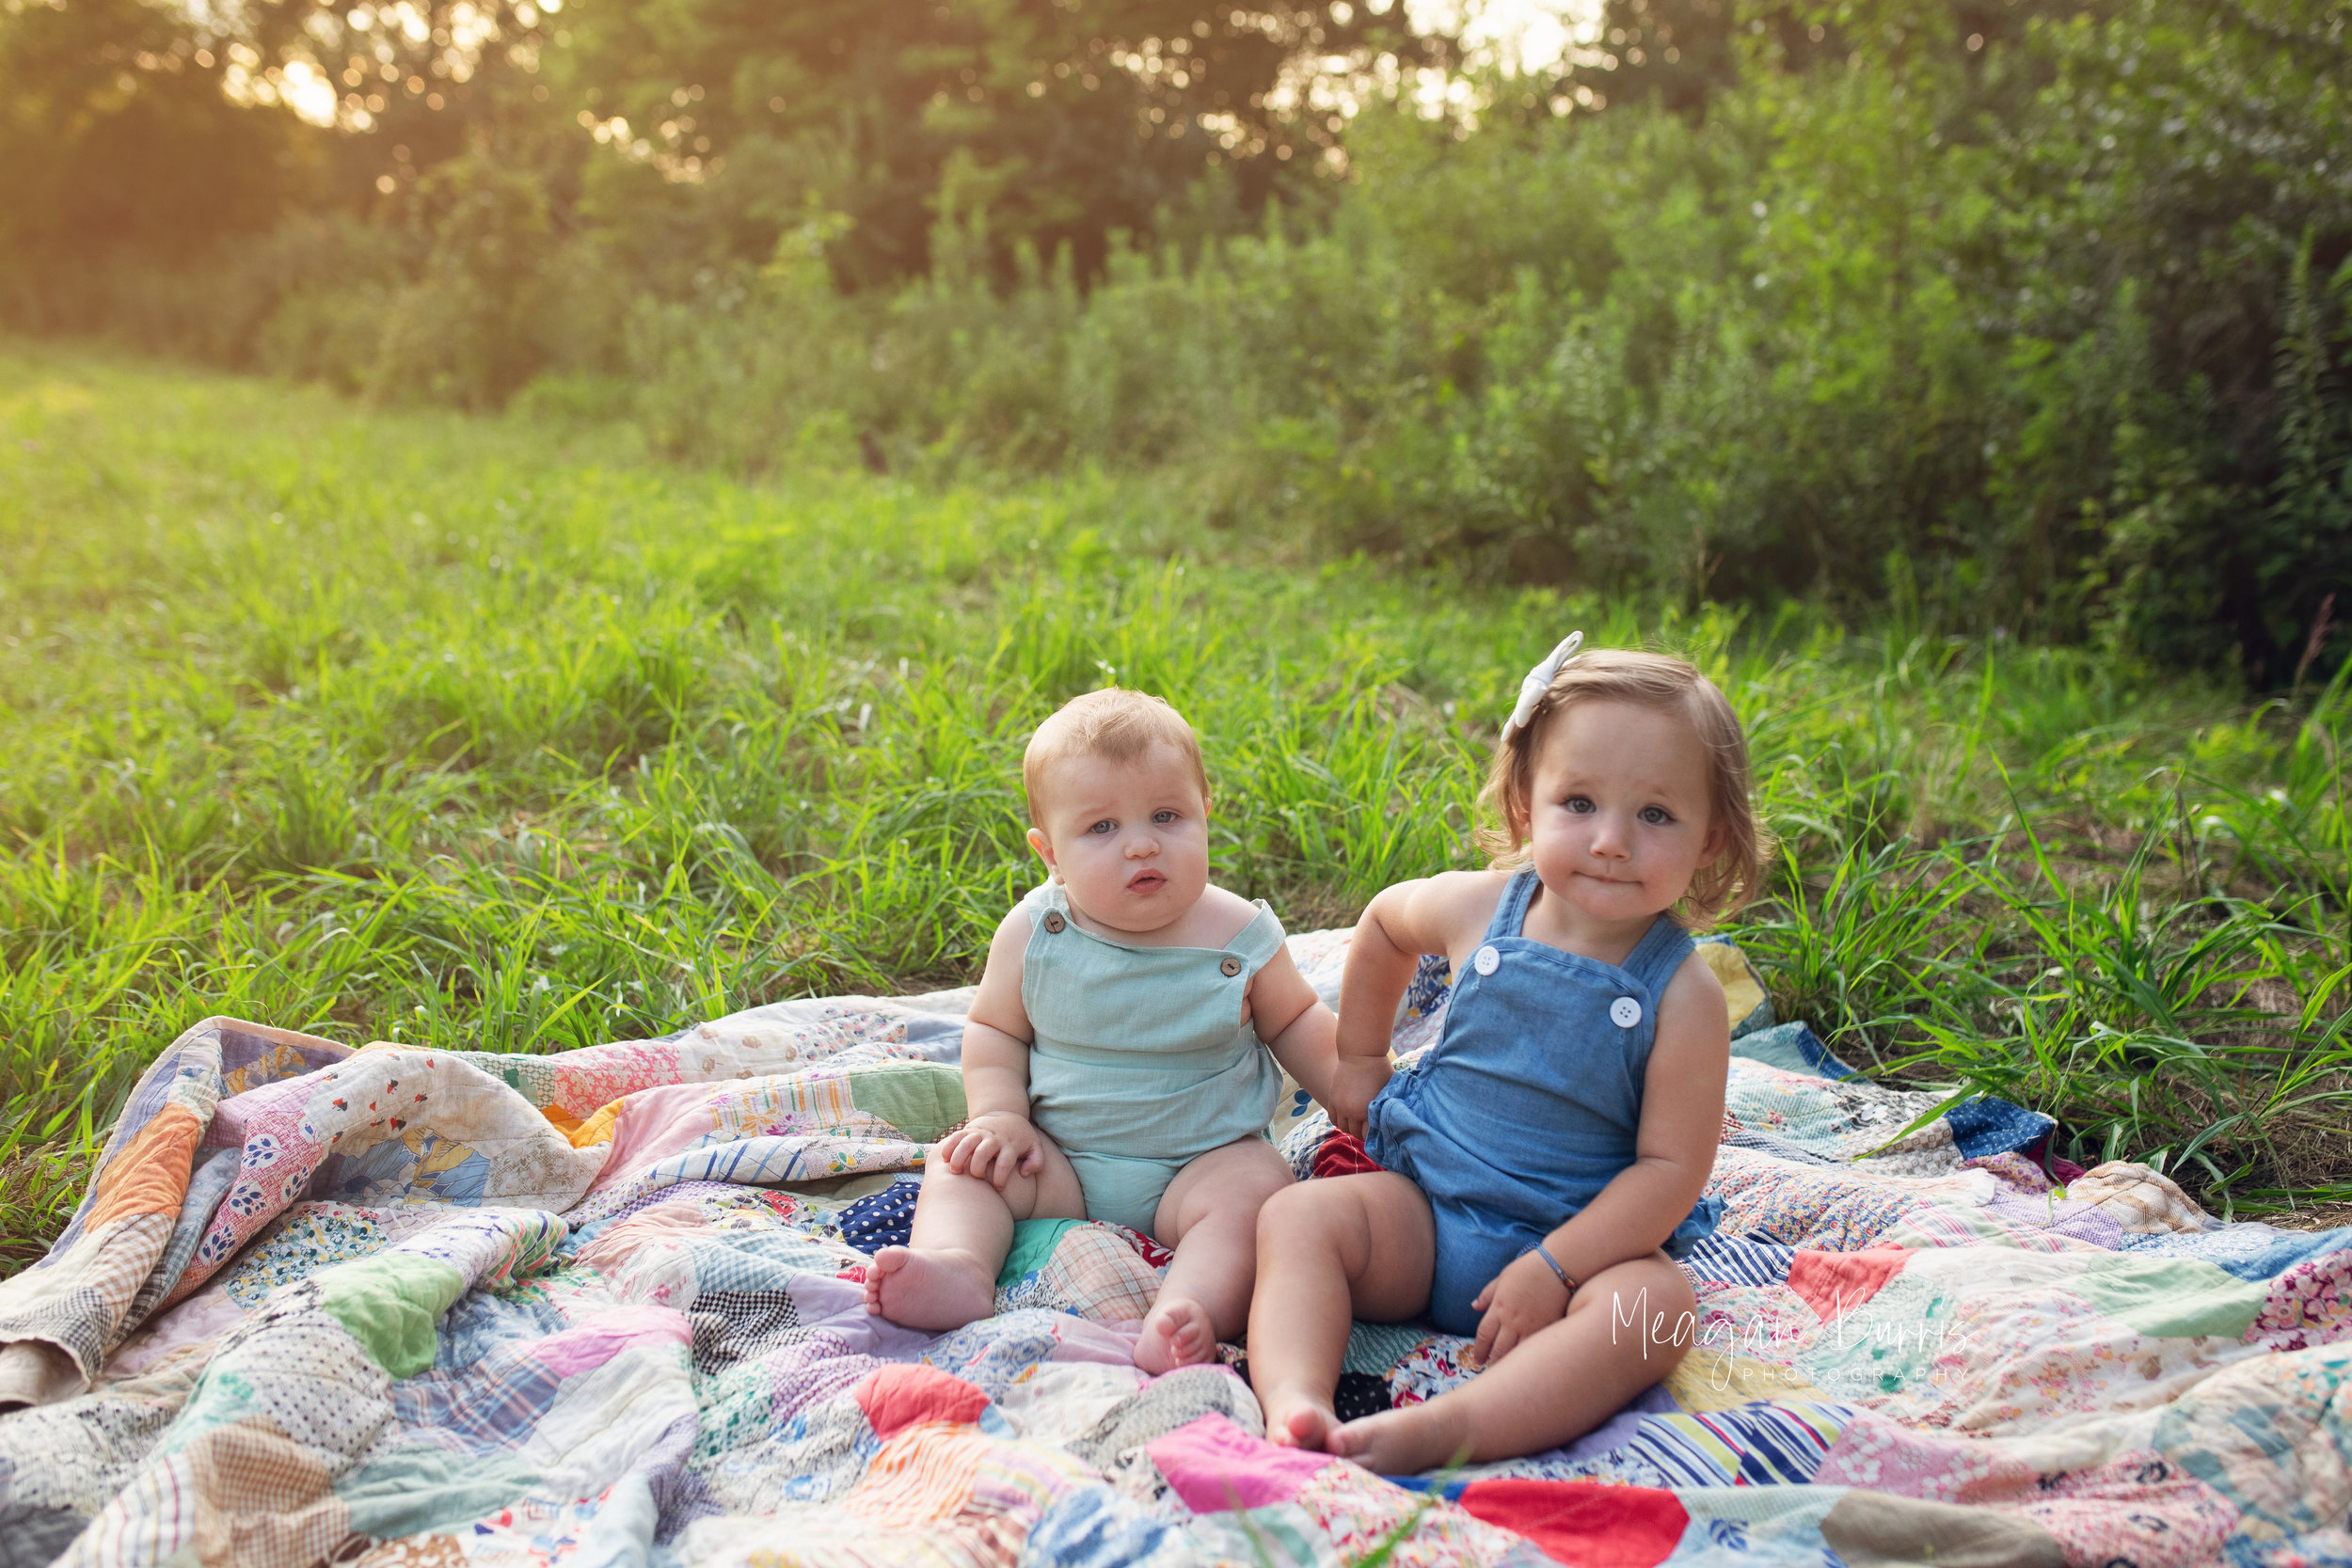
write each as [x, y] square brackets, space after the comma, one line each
[1661, 950]
[1510, 909]
[1257, 942]
[1046, 895]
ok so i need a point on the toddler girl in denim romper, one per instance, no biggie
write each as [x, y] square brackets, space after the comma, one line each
[1545, 1161]
[1119, 1059]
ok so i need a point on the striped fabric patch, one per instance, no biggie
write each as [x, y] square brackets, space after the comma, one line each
[1780, 1148]
[1737, 1261]
[1777, 1444]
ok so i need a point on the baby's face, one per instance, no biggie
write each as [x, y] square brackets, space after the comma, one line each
[1130, 840]
[1620, 819]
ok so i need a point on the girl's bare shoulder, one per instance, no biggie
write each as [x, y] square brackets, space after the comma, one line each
[1450, 910]
[1693, 994]
[1472, 892]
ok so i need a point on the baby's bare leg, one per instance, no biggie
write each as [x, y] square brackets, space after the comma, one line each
[1328, 1252]
[1625, 1329]
[1209, 1215]
[946, 1277]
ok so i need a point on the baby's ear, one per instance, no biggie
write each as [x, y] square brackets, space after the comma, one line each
[1045, 848]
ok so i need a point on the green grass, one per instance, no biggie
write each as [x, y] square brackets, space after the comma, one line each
[490, 735]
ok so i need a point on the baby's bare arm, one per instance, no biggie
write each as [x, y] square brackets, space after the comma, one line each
[1294, 1023]
[998, 1138]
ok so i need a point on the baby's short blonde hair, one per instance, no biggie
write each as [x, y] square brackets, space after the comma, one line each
[1113, 723]
[1665, 685]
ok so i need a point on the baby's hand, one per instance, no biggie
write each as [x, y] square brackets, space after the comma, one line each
[995, 1145]
[1524, 1299]
[1355, 1082]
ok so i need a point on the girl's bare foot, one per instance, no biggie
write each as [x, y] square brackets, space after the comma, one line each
[1406, 1442]
[1299, 1423]
[1177, 1332]
[935, 1288]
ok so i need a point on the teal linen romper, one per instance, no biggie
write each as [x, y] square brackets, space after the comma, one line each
[1141, 1062]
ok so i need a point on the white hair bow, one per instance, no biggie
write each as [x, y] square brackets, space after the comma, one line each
[1538, 681]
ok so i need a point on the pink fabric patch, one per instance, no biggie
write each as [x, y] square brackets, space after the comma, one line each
[653, 1125]
[585, 1349]
[1214, 1466]
[898, 1397]
[1835, 1283]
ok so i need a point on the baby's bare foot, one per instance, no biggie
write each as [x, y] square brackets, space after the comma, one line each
[933, 1288]
[1177, 1333]
[1405, 1442]
[1299, 1424]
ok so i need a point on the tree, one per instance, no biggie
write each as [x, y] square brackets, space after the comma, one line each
[1045, 122]
[115, 133]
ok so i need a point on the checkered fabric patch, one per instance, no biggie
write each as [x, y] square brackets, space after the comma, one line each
[741, 1325]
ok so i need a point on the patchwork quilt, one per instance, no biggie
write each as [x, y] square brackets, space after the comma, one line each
[397, 1305]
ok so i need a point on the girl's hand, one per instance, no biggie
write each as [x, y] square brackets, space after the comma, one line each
[1355, 1082]
[995, 1145]
[1524, 1299]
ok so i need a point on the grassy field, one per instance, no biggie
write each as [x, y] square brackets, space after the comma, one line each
[490, 734]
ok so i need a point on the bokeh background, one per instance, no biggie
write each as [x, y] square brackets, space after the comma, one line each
[529, 524]
[2021, 317]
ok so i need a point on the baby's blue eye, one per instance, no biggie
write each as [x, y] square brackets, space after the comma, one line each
[1163, 817]
[1656, 816]
[1105, 826]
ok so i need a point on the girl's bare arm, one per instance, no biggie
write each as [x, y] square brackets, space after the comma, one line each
[1402, 923]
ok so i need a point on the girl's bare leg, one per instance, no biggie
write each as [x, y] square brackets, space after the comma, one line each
[1625, 1329]
[1209, 1215]
[1328, 1252]
[946, 1277]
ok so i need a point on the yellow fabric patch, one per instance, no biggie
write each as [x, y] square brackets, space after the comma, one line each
[1711, 1379]
[1741, 994]
[595, 1129]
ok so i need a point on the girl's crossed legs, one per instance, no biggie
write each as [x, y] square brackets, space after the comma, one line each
[1365, 1246]
[946, 1277]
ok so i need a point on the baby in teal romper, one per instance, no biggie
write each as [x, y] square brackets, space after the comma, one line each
[1119, 1060]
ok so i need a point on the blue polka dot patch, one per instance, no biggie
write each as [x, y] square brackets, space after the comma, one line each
[881, 1219]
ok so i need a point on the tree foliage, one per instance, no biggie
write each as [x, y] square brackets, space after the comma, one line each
[2002, 315]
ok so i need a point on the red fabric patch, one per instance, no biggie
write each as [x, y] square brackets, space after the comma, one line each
[896, 1398]
[1835, 1283]
[1585, 1522]
[1342, 1154]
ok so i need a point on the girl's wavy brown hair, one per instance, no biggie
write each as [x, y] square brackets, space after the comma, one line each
[1665, 684]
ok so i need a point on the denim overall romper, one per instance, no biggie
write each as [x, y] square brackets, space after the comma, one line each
[1527, 1105]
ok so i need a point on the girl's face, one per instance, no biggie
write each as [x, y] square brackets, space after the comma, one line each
[1129, 840]
[1619, 816]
